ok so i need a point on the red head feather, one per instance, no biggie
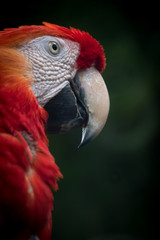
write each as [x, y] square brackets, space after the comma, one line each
[91, 52]
[20, 113]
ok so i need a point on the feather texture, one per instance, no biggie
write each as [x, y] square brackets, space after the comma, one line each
[91, 52]
[28, 172]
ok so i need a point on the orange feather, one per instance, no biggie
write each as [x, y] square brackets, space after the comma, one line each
[28, 173]
[92, 55]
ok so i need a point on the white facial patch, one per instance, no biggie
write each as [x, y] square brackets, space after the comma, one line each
[51, 72]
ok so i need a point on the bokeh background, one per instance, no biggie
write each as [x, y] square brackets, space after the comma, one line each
[110, 189]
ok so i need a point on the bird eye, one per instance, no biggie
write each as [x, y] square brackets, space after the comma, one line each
[54, 48]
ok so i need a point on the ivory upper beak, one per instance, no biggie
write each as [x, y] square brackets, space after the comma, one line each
[83, 102]
[96, 100]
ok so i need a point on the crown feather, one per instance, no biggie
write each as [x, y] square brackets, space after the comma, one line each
[91, 52]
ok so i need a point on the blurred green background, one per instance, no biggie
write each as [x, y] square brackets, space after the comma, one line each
[110, 189]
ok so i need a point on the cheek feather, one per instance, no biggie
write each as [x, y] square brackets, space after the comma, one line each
[92, 55]
[50, 73]
[91, 52]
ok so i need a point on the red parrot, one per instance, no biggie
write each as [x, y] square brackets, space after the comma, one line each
[50, 81]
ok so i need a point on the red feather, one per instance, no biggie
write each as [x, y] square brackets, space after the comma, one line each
[91, 52]
[28, 172]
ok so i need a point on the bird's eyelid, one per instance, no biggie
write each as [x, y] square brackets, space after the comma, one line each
[57, 40]
[46, 43]
[54, 47]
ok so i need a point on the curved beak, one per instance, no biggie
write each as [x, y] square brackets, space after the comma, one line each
[84, 102]
[97, 103]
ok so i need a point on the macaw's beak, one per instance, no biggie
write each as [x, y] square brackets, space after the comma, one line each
[84, 102]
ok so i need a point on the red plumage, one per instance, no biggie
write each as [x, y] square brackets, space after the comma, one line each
[28, 172]
[26, 178]
[91, 52]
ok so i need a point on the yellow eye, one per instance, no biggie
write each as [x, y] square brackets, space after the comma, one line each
[54, 48]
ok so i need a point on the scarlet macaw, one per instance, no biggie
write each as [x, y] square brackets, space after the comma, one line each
[52, 69]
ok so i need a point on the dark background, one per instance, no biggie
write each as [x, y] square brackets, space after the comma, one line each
[110, 189]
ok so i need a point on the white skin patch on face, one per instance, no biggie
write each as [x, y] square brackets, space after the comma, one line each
[51, 71]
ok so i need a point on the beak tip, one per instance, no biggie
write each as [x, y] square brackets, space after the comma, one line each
[96, 102]
[87, 136]
[83, 141]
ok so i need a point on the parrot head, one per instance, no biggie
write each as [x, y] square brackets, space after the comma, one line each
[66, 66]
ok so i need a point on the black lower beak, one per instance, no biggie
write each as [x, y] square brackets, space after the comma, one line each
[66, 110]
[83, 103]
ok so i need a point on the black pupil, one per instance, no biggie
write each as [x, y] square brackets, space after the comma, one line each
[54, 46]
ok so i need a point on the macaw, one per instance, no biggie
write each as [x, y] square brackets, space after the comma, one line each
[50, 81]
